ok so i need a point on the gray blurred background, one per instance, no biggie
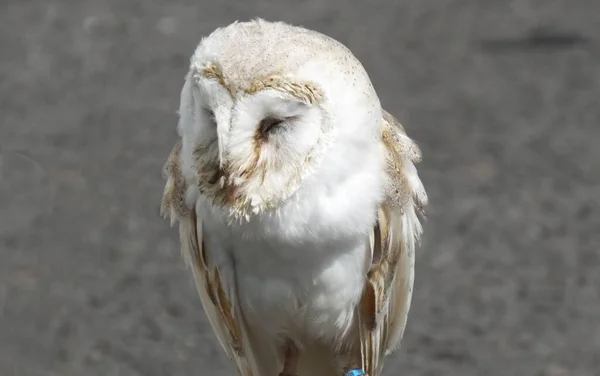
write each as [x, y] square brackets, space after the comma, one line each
[502, 96]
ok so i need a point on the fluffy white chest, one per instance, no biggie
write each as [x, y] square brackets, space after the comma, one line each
[307, 289]
[301, 272]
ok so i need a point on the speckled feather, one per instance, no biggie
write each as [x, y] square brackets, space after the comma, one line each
[285, 49]
[325, 254]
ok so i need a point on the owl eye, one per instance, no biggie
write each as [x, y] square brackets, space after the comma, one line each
[210, 113]
[267, 124]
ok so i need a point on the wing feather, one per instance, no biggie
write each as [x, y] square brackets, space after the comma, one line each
[217, 293]
[388, 290]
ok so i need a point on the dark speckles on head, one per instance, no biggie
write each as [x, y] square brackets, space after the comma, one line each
[248, 57]
[277, 50]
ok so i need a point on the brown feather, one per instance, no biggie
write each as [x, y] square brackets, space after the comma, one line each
[307, 92]
[208, 279]
[388, 285]
[174, 194]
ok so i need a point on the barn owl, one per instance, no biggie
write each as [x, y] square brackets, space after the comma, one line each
[297, 200]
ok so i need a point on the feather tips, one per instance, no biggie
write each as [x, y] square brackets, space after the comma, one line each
[216, 295]
[404, 186]
[388, 289]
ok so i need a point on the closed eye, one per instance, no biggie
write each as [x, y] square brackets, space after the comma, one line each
[271, 125]
[210, 113]
[267, 124]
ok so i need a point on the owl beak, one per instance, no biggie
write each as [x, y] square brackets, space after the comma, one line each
[221, 146]
[230, 193]
[222, 130]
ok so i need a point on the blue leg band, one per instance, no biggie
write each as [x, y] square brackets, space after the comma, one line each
[355, 372]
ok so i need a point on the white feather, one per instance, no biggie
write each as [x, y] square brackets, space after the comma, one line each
[294, 270]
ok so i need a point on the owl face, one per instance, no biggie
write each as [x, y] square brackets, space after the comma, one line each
[268, 109]
[252, 147]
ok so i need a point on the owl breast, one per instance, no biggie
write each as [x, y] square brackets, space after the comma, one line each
[303, 284]
[301, 269]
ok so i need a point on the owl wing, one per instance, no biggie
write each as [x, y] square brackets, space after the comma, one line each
[217, 293]
[387, 295]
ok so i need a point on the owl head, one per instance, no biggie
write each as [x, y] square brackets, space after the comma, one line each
[267, 109]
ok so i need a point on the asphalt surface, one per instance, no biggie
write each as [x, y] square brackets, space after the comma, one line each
[502, 96]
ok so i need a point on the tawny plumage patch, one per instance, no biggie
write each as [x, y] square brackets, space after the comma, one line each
[401, 154]
[174, 193]
[306, 92]
[231, 322]
[173, 204]
[208, 279]
[212, 71]
[210, 177]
